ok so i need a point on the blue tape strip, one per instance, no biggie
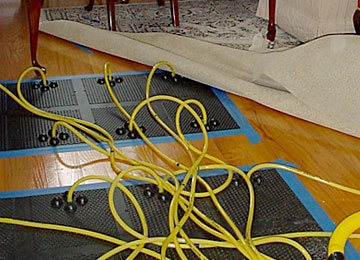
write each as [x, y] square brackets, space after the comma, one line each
[291, 180]
[314, 208]
[83, 48]
[91, 19]
[245, 127]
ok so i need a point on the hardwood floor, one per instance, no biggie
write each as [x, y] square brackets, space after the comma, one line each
[321, 151]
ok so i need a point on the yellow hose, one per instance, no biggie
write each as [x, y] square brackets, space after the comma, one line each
[341, 234]
[167, 181]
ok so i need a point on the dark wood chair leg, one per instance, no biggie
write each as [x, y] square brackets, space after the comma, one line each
[356, 19]
[90, 6]
[111, 14]
[271, 27]
[175, 12]
[160, 2]
[34, 18]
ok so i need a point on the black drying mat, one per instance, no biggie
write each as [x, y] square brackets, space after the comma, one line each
[278, 210]
[87, 98]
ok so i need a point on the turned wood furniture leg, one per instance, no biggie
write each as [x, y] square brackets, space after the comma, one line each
[111, 14]
[271, 27]
[34, 18]
[110, 5]
[175, 12]
[356, 19]
[160, 2]
[90, 6]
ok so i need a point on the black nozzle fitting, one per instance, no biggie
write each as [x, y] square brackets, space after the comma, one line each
[336, 256]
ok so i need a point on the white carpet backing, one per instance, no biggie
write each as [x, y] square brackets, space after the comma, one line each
[316, 81]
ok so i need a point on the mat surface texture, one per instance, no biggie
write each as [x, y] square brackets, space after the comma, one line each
[87, 98]
[277, 211]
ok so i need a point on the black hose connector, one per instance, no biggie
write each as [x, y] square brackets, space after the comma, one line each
[336, 256]
[256, 179]
[56, 203]
[208, 128]
[142, 128]
[63, 136]
[43, 138]
[112, 83]
[53, 84]
[81, 200]
[35, 85]
[162, 197]
[149, 191]
[175, 79]
[54, 141]
[214, 122]
[132, 135]
[70, 208]
[118, 80]
[235, 181]
[44, 88]
[194, 124]
[120, 131]
[101, 81]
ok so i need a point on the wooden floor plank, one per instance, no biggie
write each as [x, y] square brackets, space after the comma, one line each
[321, 151]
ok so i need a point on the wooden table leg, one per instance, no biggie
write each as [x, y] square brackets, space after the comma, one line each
[356, 19]
[90, 6]
[271, 27]
[160, 2]
[34, 18]
[110, 5]
[111, 14]
[175, 12]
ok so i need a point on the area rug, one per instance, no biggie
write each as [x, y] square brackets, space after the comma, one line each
[227, 23]
[315, 81]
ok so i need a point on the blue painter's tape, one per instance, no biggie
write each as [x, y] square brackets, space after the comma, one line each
[91, 19]
[291, 180]
[245, 127]
[83, 48]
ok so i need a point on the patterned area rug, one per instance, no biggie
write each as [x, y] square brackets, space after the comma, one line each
[230, 23]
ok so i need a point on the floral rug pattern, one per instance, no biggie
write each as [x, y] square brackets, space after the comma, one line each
[230, 23]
